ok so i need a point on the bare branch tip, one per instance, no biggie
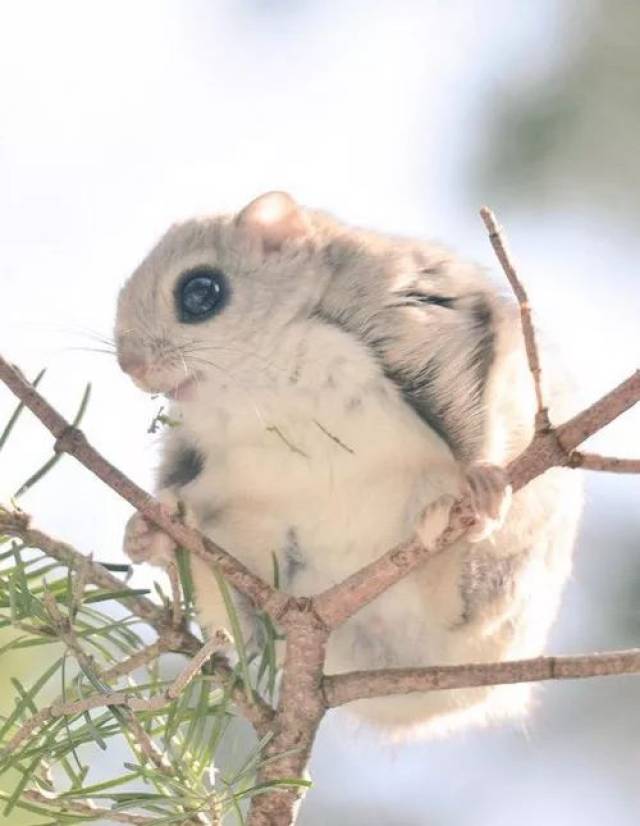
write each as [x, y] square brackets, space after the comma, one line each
[489, 219]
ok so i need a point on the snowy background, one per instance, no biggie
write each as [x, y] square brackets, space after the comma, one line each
[118, 118]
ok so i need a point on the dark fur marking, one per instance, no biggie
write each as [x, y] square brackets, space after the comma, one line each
[484, 579]
[338, 254]
[370, 646]
[332, 320]
[485, 348]
[208, 515]
[414, 390]
[293, 560]
[379, 343]
[333, 256]
[301, 351]
[415, 299]
[458, 422]
[185, 465]
[295, 375]
[411, 387]
[419, 388]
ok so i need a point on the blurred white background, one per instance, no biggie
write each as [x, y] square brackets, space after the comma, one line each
[118, 118]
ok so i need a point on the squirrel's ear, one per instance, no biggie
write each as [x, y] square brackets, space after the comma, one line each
[274, 218]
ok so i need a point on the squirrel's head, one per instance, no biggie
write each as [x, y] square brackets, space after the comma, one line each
[215, 292]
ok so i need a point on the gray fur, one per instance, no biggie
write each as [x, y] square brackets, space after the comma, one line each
[485, 578]
[292, 558]
[438, 357]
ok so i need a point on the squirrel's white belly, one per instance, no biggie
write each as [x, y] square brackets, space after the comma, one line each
[327, 485]
[326, 490]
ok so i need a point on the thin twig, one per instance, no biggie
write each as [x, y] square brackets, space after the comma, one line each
[555, 448]
[259, 712]
[359, 685]
[339, 602]
[61, 708]
[287, 442]
[17, 523]
[220, 639]
[601, 413]
[499, 244]
[141, 658]
[65, 805]
[65, 632]
[611, 464]
[122, 699]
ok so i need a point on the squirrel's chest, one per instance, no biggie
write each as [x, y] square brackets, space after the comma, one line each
[324, 481]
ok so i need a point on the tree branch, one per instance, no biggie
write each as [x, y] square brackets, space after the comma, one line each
[555, 448]
[611, 464]
[551, 448]
[116, 698]
[300, 710]
[600, 413]
[499, 244]
[65, 632]
[16, 523]
[335, 605]
[72, 441]
[87, 810]
[358, 685]
[141, 658]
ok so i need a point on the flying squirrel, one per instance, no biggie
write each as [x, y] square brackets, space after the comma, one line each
[332, 386]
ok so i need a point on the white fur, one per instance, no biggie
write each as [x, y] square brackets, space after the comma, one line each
[305, 436]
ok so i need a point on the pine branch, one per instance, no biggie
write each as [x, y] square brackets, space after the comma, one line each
[87, 810]
[123, 699]
[170, 638]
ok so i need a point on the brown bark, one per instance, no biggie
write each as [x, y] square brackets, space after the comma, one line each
[359, 685]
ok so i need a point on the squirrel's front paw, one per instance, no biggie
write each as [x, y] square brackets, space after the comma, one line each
[434, 519]
[488, 487]
[144, 542]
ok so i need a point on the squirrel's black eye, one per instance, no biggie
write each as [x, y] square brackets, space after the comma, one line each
[201, 292]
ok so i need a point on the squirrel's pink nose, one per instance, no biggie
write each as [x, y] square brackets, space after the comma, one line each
[133, 364]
